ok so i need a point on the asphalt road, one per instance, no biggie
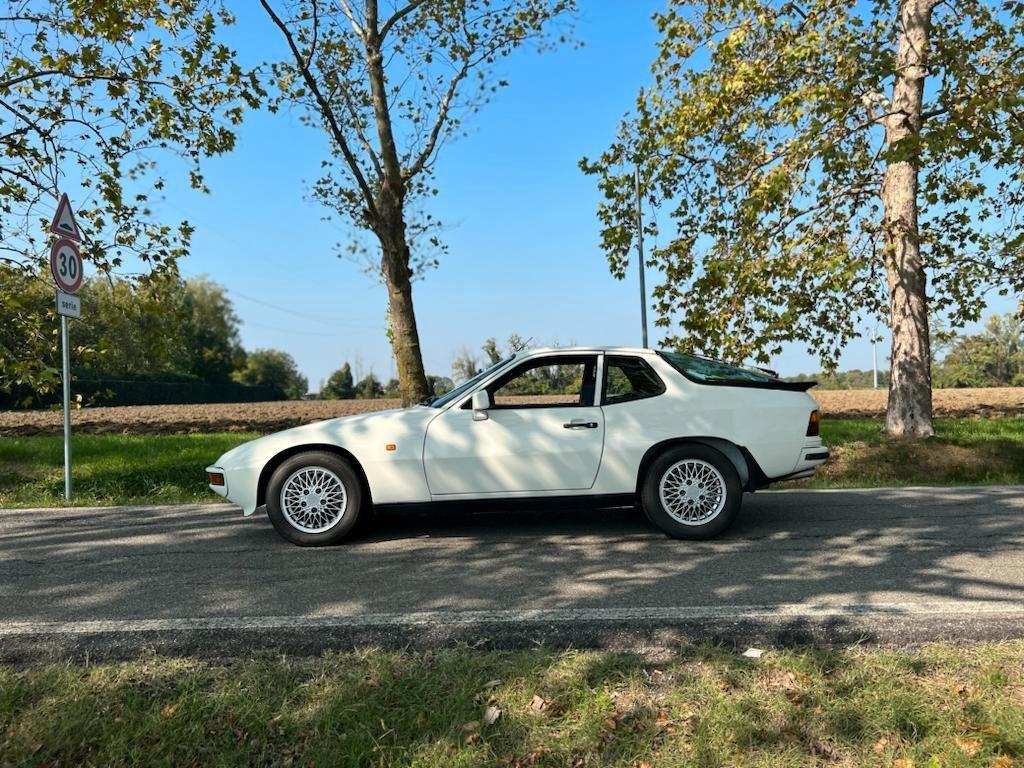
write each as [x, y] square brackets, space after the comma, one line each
[896, 566]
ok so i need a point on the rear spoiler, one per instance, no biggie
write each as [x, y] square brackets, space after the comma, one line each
[778, 384]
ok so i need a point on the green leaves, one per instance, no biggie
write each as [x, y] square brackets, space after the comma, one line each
[762, 147]
[92, 96]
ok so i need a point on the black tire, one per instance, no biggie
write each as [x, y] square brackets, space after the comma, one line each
[338, 530]
[657, 513]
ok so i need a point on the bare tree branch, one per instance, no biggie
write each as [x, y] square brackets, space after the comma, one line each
[325, 107]
[442, 118]
[400, 14]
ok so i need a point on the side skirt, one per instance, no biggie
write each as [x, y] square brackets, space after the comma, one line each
[511, 504]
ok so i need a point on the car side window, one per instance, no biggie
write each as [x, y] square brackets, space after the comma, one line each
[629, 378]
[549, 382]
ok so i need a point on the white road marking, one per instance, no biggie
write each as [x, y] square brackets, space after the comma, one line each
[540, 616]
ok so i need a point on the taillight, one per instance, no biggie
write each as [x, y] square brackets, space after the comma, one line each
[813, 424]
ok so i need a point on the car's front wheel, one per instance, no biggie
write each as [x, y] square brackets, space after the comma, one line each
[314, 499]
[692, 492]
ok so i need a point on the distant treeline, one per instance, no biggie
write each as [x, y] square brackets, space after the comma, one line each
[992, 358]
[158, 340]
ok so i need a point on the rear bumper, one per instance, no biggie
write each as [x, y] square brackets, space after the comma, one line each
[811, 457]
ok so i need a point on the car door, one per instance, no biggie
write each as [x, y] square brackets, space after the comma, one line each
[542, 434]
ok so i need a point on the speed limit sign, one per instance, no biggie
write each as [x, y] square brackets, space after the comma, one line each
[66, 265]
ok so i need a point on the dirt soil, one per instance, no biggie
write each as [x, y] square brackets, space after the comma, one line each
[269, 417]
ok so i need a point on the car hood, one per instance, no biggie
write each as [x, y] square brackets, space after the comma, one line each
[358, 434]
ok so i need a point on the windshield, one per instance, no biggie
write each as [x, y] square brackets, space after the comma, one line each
[467, 385]
[714, 371]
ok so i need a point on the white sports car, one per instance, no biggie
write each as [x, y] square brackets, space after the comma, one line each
[682, 435]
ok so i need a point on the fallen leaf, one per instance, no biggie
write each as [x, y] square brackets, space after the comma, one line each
[492, 683]
[472, 725]
[610, 723]
[472, 737]
[170, 709]
[274, 719]
[826, 750]
[1002, 761]
[491, 715]
[545, 706]
[902, 762]
[35, 746]
[644, 764]
[880, 745]
[753, 653]
[969, 746]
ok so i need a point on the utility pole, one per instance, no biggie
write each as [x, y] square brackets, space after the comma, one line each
[640, 254]
[874, 362]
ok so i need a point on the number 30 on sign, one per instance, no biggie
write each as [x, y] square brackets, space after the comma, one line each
[66, 265]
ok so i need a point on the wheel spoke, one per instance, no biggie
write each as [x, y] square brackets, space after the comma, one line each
[692, 491]
[313, 499]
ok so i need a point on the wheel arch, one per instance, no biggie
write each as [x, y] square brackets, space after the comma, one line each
[279, 458]
[746, 467]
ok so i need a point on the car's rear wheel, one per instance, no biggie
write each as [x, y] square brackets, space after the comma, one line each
[691, 492]
[314, 499]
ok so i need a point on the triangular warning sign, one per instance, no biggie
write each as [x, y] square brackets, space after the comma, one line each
[64, 223]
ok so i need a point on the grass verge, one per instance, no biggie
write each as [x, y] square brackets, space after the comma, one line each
[151, 469]
[962, 452]
[111, 469]
[703, 706]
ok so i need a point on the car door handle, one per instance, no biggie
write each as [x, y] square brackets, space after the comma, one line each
[581, 425]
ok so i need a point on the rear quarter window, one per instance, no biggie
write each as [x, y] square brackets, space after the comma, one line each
[629, 378]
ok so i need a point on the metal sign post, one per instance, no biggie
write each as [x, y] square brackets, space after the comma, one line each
[66, 266]
[66, 378]
[640, 254]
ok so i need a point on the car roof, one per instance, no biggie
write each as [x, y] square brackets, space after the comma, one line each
[587, 349]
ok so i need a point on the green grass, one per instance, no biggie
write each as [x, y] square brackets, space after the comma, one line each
[962, 452]
[701, 706]
[111, 469]
[129, 469]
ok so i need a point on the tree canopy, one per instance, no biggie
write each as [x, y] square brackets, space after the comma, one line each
[816, 163]
[273, 368]
[992, 358]
[91, 95]
[391, 82]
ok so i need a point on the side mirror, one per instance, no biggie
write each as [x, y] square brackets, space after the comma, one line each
[481, 402]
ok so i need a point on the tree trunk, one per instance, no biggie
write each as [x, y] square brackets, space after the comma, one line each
[405, 337]
[390, 228]
[909, 411]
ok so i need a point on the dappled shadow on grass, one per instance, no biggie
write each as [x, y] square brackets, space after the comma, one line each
[964, 451]
[697, 705]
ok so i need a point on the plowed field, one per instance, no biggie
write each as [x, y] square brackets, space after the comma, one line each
[268, 417]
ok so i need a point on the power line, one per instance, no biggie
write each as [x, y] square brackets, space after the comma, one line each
[293, 330]
[332, 321]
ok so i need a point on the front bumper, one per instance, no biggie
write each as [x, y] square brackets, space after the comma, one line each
[222, 489]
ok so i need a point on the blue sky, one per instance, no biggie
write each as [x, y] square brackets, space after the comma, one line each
[521, 227]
